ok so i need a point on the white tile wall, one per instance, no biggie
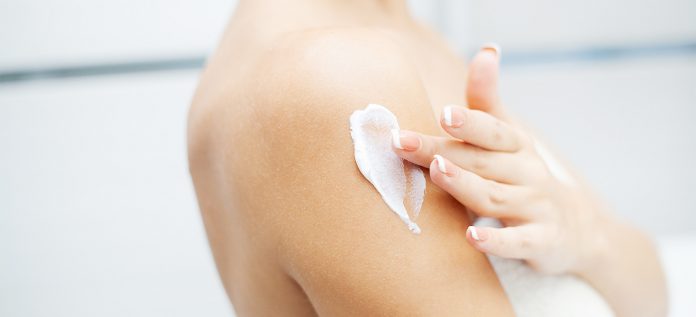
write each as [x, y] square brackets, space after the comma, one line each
[98, 215]
[533, 25]
[37, 33]
[627, 124]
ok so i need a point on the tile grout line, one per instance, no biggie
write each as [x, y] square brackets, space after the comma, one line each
[511, 58]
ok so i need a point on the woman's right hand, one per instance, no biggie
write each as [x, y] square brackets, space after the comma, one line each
[552, 220]
[496, 169]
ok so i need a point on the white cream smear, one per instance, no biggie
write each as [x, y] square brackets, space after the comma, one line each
[400, 183]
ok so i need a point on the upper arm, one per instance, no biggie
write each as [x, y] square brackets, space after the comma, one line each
[332, 232]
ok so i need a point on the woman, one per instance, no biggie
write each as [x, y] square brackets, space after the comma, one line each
[297, 231]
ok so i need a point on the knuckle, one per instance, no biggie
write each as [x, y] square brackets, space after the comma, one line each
[528, 243]
[525, 242]
[430, 148]
[479, 162]
[496, 197]
[490, 202]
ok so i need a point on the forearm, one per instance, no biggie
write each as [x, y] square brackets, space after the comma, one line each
[627, 271]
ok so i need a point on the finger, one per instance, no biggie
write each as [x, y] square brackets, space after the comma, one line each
[484, 197]
[498, 166]
[523, 242]
[482, 83]
[480, 128]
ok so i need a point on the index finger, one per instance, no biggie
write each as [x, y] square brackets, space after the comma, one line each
[481, 129]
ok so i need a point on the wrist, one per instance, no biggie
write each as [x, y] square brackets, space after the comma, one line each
[596, 246]
[624, 268]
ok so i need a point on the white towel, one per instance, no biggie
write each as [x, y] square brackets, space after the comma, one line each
[538, 295]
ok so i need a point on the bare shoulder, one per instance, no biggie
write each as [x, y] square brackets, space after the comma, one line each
[291, 177]
[307, 82]
[335, 69]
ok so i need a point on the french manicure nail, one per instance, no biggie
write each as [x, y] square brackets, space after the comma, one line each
[473, 233]
[476, 234]
[406, 141]
[396, 139]
[452, 117]
[493, 47]
[447, 114]
[440, 164]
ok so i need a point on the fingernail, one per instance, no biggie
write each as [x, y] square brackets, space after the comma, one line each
[452, 117]
[493, 47]
[396, 139]
[440, 164]
[478, 235]
[404, 140]
[447, 115]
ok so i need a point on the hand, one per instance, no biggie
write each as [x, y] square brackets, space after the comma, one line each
[497, 169]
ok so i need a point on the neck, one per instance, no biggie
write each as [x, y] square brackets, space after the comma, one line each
[334, 12]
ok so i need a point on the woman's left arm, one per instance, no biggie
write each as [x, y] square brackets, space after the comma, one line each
[552, 219]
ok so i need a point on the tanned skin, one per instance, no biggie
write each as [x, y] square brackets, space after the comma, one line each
[295, 229]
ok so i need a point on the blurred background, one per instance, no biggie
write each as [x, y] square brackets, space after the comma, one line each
[97, 212]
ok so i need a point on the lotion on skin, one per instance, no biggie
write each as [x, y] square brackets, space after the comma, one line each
[400, 183]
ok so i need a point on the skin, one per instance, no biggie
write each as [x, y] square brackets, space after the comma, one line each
[490, 164]
[295, 229]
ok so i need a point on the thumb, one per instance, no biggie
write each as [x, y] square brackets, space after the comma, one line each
[482, 83]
